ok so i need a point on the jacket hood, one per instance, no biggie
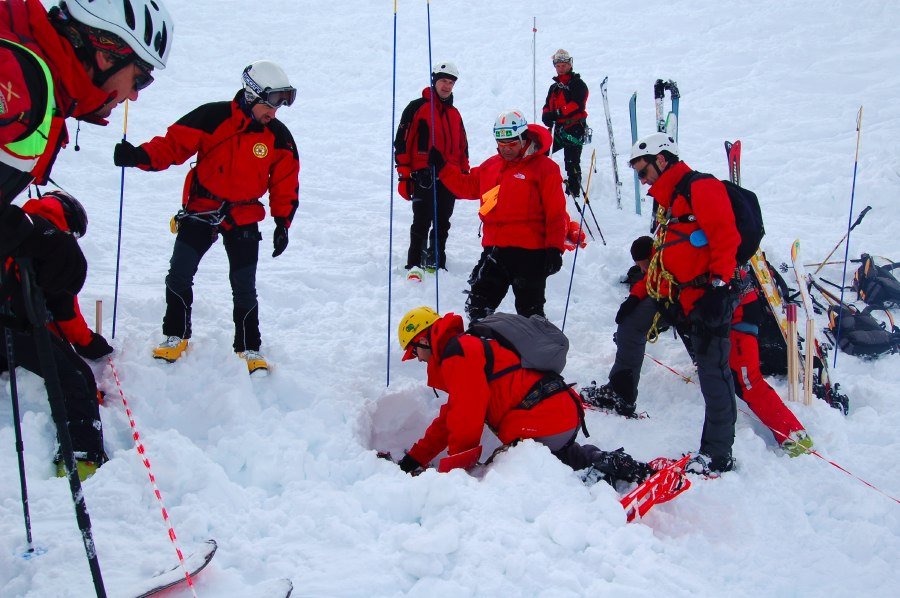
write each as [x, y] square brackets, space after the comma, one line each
[442, 331]
[541, 139]
[664, 186]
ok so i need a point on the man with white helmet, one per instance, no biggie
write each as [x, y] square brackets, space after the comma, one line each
[81, 59]
[523, 211]
[415, 136]
[689, 281]
[565, 111]
[243, 152]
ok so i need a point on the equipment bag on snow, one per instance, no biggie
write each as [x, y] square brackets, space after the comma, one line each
[540, 344]
[875, 284]
[744, 204]
[860, 333]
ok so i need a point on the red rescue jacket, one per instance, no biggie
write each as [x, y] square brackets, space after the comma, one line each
[531, 209]
[238, 161]
[24, 98]
[569, 95]
[413, 138]
[457, 367]
[712, 209]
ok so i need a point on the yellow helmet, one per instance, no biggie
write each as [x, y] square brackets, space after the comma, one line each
[414, 322]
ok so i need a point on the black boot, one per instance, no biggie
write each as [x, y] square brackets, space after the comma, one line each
[617, 465]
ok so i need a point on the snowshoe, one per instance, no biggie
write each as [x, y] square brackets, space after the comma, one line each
[709, 467]
[256, 363]
[171, 349]
[605, 397]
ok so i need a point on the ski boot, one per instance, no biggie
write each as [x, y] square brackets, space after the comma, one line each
[256, 363]
[415, 274]
[798, 443]
[171, 349]
[84, 467]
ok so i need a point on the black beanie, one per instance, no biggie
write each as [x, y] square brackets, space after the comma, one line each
[641, 248]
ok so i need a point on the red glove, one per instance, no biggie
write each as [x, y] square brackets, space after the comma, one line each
[405, 184]
[574, 236]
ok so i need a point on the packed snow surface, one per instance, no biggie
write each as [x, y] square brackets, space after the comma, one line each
[282, 471]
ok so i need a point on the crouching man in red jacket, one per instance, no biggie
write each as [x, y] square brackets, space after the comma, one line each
[488, 385]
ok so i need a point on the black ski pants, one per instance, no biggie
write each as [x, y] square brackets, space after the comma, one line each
[421, 239]
[242, 248]
[498, 269]
[711, 352]
[571, 152]
[78, 387]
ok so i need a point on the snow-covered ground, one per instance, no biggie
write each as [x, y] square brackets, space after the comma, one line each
[282, 471]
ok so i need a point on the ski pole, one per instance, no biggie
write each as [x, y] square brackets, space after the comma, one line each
[581, 211]
[434, 178]
[119, 241]
[37, 315]
[587, 199]
[572, 275]
[139, 446]
[849, 228]
[20, 447]
[387, 381]
[534, 69]
[859, 218]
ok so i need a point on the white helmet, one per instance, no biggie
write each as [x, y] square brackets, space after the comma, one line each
[654, 144]
[145, 25]
[561, 56]
[509, 125]
[444, 70]
[266, 82]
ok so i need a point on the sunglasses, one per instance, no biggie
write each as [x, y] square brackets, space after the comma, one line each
[143, 79]
[508, 142]
[642, 173]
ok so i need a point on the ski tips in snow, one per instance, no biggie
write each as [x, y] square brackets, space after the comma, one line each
[194, 564]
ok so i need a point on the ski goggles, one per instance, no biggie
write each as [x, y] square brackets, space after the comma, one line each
[275, 98]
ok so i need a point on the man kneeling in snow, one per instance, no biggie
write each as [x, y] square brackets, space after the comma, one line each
[487, 384]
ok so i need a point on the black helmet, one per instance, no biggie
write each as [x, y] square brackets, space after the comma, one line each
[76, 217]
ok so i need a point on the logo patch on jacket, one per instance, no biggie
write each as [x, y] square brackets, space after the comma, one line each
[260, 150]
[519, 175]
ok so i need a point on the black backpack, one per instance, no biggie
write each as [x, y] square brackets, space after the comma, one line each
[875, 284]
[744, 204]
[535, 339]
[860, 333]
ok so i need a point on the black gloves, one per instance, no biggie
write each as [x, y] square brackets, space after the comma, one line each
[627, 307]
[548, 118]
[716, 306]
[280, 238]
[126, 154]
[409, 465]
[96, 349]
[553, 260]
[436, 159]
[59, 265]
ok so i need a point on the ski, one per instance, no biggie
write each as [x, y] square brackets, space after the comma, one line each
[662, 486]
[810, 340]
[194, 564]
[632, 112]
[612, 144]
